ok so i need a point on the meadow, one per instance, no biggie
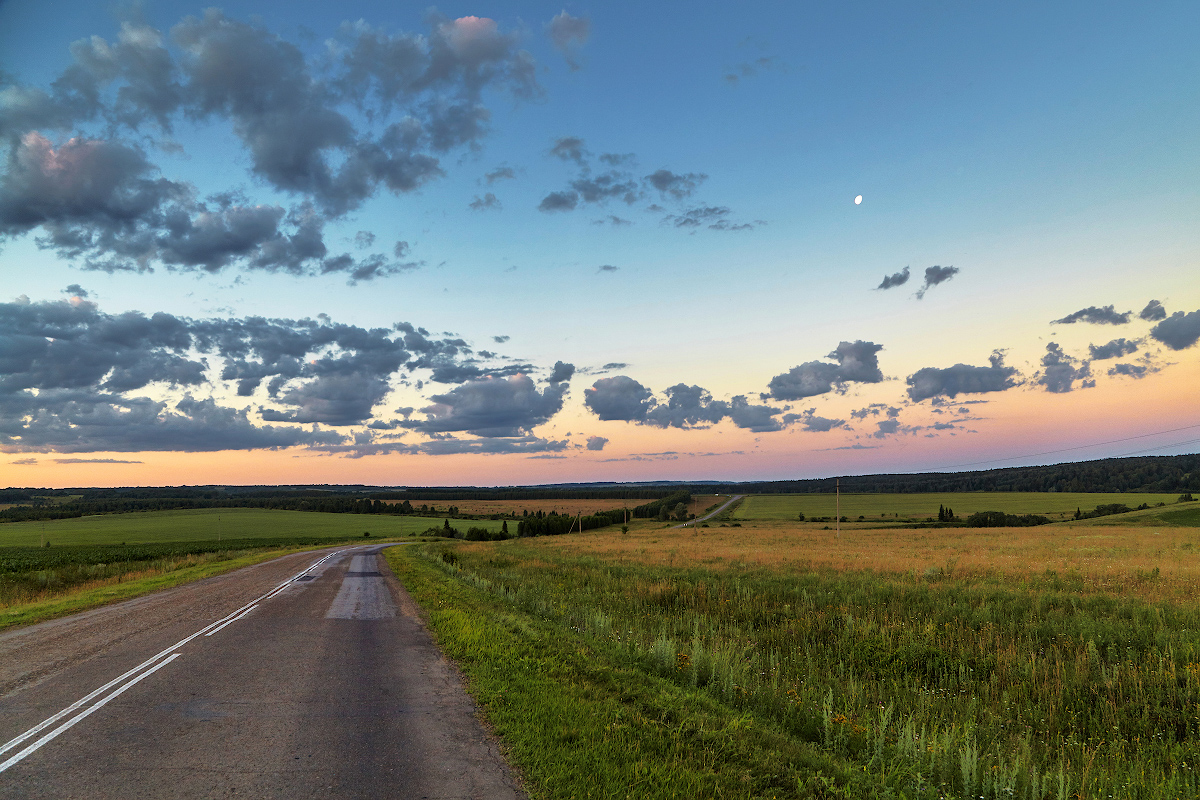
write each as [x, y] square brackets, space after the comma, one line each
[779, 661]
[1055, 505]
[62, 566]
[212, 523]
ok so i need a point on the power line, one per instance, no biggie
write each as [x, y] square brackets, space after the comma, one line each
[1160, 447]
[1083, 447]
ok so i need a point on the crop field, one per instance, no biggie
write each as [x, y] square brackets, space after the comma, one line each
[1058, 505]
[213, 523]
[1060, 661]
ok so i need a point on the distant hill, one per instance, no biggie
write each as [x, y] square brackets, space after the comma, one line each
[1136, 474]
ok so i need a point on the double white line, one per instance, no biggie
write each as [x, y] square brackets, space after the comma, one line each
[143, 670]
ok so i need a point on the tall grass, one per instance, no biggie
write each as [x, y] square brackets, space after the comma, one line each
[934, 686]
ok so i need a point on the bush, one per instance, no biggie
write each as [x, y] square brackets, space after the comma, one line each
[998, 519]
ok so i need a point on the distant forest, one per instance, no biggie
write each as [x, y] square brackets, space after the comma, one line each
[1168, 474]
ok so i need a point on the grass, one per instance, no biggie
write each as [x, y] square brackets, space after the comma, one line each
[135, 581]
[1053, 662]
[105, 558]
[205, 523]
[1056, 505]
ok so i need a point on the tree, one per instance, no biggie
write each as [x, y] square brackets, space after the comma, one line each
[504, 528]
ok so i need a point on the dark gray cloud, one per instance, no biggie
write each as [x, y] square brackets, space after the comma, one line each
[488, 201]
[559, 201]
[94, 461]
[1060, 371]
[876, 409]
[492, 446]
[678, 186]
[895, 279]
[102, 202]
[811, 422]
[686, 407]
[607, 186]
[562, 372]
[67, 421]
[591, 187]
[332, 399]
[935, 275]
[364, 239]
[607, 268]
[568, 34]
[500, 339]
[67, 371]
[1097, 316]
[1129, 370]
[73, 345]
[857, 362]
[299, 121]
[1114, 349]
[619, 398]
[757, 418]
[492, 407]
[886, 428]
[749, 69]
[1178, 331]
[962, 379]
[570, 148]
[715, 218]
[500, 174]
[614, 220]
[596, 442]
[1153, 312]
[622, 398]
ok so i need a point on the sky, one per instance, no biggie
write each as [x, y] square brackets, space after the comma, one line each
[520, 243]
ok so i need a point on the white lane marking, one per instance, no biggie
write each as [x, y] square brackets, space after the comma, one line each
[230, 622]
[54, 733]
[218, 624]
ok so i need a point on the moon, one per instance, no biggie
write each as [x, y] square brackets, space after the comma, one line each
[858, 200]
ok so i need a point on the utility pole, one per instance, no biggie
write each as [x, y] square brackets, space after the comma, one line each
[838, 507]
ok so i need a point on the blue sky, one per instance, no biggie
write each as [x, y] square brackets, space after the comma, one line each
[658, 199]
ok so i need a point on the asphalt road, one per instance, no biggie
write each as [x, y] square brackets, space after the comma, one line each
[716, 511]
[307, 676]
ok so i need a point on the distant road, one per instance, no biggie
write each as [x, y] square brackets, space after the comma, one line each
[723, 506]
[307, 676]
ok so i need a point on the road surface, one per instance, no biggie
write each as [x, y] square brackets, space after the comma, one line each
[718, 510]
[307, 676]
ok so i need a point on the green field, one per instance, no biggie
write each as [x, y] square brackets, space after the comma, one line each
[651, 680]
[211, 523]
[1056, 505]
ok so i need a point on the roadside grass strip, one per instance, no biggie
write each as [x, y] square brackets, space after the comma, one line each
[610, 679]
[89, 702]
[579, 718]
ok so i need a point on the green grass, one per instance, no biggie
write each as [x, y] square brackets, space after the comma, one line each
[171, 573]
[856, 684]
[104, 558]
[581, 718]
[206, 523]
[921, 506]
